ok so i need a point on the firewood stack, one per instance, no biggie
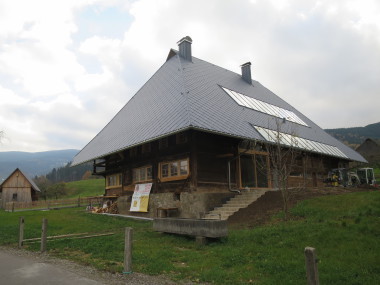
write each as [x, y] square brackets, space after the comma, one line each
[112, 209]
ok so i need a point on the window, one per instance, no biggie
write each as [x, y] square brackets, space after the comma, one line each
[163, 143]
[113, 180]
[142, 174]
[254, 171]
[14, 197]
[174, 170]
[181, 138]
[145, 148]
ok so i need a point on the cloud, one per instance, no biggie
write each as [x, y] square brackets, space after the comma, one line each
[67, 67]
[317, 55]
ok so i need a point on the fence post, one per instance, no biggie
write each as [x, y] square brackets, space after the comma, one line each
[44, 234]
[311, 266]
[21, 232]
[13, 207]
[128, 251]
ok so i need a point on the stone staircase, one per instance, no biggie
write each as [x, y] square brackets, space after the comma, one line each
[236, 203]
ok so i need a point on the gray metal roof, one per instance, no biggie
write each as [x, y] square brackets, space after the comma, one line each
[186, 94]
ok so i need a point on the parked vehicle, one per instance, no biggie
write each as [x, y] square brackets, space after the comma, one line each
[343, 177]
[366, 176]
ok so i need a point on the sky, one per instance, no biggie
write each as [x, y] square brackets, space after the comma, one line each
[67, 67]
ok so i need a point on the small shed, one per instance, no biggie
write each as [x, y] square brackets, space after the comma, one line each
[18, 187]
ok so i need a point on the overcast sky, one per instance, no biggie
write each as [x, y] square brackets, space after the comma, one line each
[67, 67]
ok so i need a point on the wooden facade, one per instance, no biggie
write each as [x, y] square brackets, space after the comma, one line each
[18, 188]
[195, 161]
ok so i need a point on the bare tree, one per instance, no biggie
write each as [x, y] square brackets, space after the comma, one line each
[283, 152]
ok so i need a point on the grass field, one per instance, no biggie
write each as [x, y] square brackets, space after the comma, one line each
[84, 188]
[344, 229]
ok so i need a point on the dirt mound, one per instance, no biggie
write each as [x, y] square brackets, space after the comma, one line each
[261, 211]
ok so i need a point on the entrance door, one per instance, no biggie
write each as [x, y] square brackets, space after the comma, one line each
[254, 170]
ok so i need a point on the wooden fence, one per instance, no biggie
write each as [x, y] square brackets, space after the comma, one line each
[48, 204]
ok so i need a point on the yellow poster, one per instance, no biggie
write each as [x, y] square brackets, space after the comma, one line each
[140, 198]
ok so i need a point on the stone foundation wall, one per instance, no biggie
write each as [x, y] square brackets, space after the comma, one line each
[190, 205]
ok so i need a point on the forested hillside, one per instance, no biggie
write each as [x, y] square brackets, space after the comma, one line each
[357, 135]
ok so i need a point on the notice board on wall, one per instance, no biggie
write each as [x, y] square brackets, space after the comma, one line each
[140, 198]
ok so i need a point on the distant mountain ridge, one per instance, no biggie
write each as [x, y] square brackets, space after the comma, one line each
[357, 135]
[34, 163]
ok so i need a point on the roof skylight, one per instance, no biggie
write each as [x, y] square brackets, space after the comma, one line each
[297, 142]
[264, 107]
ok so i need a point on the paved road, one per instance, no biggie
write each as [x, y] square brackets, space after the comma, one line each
[21, 267]
[25, 270]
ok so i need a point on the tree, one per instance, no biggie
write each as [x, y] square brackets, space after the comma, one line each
[43, 183]
[87, 175]
[283, 153]
[56, 190]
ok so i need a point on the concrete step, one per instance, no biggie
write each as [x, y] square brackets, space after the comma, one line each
[212, 217]
[225, 211]
[242, 200]
[235, 204]
[246, 195]
[217, 217]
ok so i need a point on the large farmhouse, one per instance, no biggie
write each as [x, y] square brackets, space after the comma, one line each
[199, 132]
[18, 187]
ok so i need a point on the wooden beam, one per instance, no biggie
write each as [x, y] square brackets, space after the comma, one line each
[194, 161]
[225, 155]
[59, 236]
[71, 237]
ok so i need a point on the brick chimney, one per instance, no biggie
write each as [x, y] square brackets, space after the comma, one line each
[184, 46]
[246, 72]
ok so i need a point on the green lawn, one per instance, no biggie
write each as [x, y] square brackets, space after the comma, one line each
[84, 188]
[344, 229]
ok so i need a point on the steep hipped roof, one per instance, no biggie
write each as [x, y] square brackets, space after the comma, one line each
[185, 94]
[33, 185]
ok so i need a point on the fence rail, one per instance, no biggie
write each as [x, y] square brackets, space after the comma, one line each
[48, 204]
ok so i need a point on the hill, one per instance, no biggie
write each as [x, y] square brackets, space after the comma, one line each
[34, 163]
[355, 136]
[84, 188]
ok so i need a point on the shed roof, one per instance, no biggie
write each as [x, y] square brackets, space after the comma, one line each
[185, 94]
[32, 183]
